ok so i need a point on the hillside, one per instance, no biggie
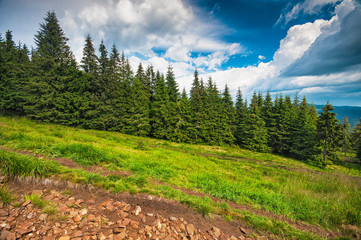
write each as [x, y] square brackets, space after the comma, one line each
[218, 192]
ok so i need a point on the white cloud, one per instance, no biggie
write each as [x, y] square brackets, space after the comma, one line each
[295, 46]
[308, 7]
[261, 57]
[140, 26]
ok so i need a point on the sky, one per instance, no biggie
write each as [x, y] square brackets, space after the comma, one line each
[309, 47]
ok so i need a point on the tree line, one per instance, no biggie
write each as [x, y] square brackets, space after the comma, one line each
[104, 93]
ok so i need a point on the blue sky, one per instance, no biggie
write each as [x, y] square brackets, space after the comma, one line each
[309, 47]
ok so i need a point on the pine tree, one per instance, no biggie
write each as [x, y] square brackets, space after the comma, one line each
[161, 128]
[229, 108]
[304, 134]
[14, 68]
[197, 97]
[184, 126]
[103, 59]
[54, 68]
[173, 105]
[253, 131]
[51, 44]
[268, 115]
[241, 112]
[89, 62]
[356, 135]
[328, 131]
[137, 119]
[346, 138]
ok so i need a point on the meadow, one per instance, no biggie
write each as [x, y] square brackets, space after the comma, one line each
[270, 193]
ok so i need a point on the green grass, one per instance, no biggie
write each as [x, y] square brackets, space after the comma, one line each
[36, 200]
[328, 197]
[6, 196]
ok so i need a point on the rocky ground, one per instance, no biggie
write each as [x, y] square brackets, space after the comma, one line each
[79, 214]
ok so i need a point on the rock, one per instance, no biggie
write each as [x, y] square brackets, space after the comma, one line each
[43, 217]
[124, 222]
[173, 219]
[64, 238]
[157, 224]
[126, 208]
[242, 230]
[79, 202]
[233, 238]
[4, 235]
[119, 230]
[83, 223]
[83, 211]
[137, 210]
[4, 213]
[190, 229]
[92, 218]
[77, 234]
[217, 232]
[102, 236]
[77, 218]
[120, 236]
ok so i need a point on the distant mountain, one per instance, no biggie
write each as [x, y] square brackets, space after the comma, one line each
[353, 113]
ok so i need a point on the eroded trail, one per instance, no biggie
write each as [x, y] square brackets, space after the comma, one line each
[77, 213]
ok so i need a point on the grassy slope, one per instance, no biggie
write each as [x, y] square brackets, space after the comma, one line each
[326, 198]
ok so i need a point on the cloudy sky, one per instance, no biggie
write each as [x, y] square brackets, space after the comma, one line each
[309, 47]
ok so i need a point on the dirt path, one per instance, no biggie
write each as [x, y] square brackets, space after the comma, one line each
[101, 215]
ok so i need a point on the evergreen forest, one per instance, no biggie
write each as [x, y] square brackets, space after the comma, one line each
[103, 92]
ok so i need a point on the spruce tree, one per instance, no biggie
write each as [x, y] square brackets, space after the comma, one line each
[160, 115]
[229, 108]
[356, 135]
[54, 68]
[253, 133]
[89, 62]
[328, 131]
[137, 119]
[304, 134]
[184, 125]
[173, 105]
[346, 138]
[103, 59]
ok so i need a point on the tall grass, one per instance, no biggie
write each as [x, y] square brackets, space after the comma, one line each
[12, 164]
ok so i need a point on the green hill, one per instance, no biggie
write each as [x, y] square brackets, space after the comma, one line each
[275, 196]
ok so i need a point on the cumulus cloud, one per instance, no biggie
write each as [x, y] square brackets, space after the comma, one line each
[344, 44]
[318, 59]
[139, 26]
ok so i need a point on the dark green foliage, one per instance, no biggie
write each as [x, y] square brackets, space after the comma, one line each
[303, 136]
[253, 132]
[329, 134]
[356, 135]
[346, 138]
[89, 60]
[160, 112]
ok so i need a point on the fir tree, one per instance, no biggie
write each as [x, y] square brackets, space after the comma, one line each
[304, 134]
[160, 111]
[229, 108]
[356, 135]
[328, 133]
[345, 128]
[89, 62]
[51, 44]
